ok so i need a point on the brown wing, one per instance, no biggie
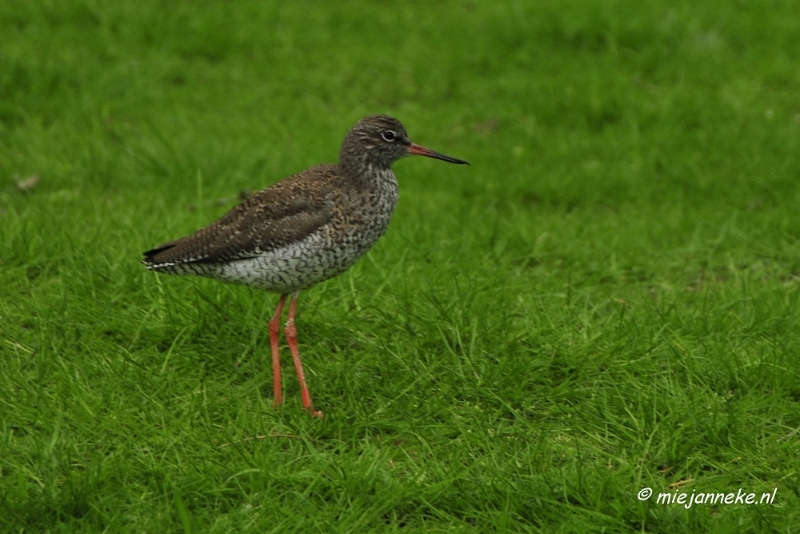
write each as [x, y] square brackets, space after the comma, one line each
[281, 214]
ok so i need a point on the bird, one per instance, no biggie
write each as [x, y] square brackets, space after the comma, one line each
[302, 230]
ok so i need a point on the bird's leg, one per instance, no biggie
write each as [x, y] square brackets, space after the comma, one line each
[291, 338]
[274, 325]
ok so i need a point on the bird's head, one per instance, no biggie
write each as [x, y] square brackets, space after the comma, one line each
[378, 141]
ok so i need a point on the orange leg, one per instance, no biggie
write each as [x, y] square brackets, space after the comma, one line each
[291, 338]
[274, 325]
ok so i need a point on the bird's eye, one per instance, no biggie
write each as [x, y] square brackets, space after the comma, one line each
[389, 136]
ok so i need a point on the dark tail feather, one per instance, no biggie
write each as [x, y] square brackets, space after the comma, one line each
[151, 256]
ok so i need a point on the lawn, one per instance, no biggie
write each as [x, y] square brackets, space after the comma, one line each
[606, 300]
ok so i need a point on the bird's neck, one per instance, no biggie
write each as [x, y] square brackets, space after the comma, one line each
[363, 172]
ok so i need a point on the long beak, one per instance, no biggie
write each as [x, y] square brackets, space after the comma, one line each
[417, 150]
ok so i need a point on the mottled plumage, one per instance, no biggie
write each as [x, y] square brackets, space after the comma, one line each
[304, 229]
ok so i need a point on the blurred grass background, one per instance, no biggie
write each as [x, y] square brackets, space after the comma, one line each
[606, 300]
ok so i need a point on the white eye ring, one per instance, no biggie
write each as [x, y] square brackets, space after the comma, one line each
[389, 136]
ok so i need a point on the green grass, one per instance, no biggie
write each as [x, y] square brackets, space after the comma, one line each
[606, 300]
